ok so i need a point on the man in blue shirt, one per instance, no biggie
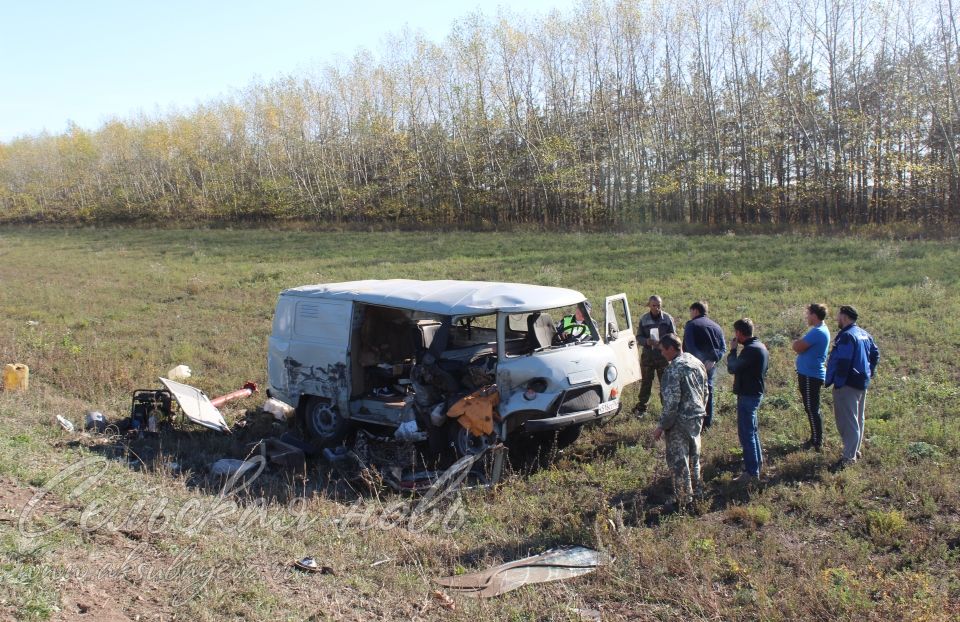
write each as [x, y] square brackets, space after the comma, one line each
[852, 364]
[811, 352]
[749, 369]
[703, 338]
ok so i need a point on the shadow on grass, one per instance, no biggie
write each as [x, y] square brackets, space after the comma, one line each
[784, 463]
[186, 452]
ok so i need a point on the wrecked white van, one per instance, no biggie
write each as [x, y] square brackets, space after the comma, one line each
[398, 356]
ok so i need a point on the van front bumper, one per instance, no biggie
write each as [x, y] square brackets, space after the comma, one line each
[551, 424]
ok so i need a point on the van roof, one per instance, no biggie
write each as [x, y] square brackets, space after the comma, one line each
[445, 297]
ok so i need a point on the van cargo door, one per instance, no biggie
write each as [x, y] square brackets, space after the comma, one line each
[619, 335]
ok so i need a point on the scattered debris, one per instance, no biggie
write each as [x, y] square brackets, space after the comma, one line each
[16, 377]
[180, 372]
[229, 466]
[282, 454]
[307, 448]
[65, 424]
[248, 389]
[409, 432]
[94, 420]
[150, 405]
[553, 565]
[445, 601]
[309, 564]
[33, 323]
[196, 406]
[281, 411]
[381, 562]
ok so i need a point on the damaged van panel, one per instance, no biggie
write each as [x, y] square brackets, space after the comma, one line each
[329, 381]
[414, 355]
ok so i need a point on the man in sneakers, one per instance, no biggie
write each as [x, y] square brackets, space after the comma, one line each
[811, 352]
[749, 369]
[703, 338]
[683, 389]
[654, 324]
[852, 364]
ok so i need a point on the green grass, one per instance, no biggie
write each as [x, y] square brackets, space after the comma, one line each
[99, 313]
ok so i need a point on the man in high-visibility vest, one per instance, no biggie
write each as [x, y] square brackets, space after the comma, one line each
[574, 328]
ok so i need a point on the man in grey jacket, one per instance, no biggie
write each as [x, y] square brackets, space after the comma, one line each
[653, 325]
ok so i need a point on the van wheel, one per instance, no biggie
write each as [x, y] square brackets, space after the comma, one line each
[323, 422]
[466, 444]
[568, 436]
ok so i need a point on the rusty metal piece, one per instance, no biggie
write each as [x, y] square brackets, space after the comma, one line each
[248, 389]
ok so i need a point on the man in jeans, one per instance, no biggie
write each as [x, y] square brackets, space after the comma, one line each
[852, 364]
[811, 352]
[703, 338]
[653, 326]
[749, 369]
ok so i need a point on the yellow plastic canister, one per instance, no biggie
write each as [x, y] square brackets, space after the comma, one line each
[16, 377]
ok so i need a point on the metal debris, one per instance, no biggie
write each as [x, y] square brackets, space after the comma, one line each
[64, 423]
[553, 565]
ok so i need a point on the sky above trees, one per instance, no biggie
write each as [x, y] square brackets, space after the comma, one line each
[91, 62]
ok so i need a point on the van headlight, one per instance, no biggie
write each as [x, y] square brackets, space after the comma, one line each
[610, 373]
[534, 388]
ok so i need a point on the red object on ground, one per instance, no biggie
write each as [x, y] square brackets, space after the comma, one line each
[248, 389]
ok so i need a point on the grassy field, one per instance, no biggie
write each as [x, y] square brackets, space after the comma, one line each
[99, 313]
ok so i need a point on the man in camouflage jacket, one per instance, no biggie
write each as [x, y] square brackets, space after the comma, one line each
[684, 392]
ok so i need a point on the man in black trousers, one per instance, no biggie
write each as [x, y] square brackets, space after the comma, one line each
[703, 338]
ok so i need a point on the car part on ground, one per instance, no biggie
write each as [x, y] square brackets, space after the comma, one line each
[200, 409]
[553, 565]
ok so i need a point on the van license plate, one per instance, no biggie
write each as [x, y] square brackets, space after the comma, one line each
[608, 406]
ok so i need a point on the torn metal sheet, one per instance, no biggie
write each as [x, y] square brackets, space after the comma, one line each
[553, 565]
[196, 406]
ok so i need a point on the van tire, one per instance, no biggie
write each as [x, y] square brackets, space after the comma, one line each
[322, 422]
[568, 436]
[464, 443]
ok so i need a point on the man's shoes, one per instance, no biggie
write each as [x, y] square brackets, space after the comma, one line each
[811, 445]
[746, 478]
[639, 412]
[674, 507]
[707, 422]
[841, 464]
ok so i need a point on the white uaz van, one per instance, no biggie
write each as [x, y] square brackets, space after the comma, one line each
[384, 353]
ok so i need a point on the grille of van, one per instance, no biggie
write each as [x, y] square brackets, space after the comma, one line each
[581, 398]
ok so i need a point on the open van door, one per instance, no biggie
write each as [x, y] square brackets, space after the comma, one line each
[619, 335]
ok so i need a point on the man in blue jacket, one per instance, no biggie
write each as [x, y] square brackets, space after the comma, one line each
[703, 338]
[852, 364]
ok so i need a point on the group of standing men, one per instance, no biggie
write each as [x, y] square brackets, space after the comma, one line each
[686, 372]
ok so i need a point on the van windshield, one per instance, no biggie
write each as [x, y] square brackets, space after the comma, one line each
[551, 328]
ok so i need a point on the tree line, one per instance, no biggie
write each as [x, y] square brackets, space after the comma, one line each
[827, 112]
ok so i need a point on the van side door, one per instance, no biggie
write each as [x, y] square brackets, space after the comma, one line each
[619, 334]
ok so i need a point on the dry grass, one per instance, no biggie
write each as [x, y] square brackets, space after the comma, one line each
[97, 314]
